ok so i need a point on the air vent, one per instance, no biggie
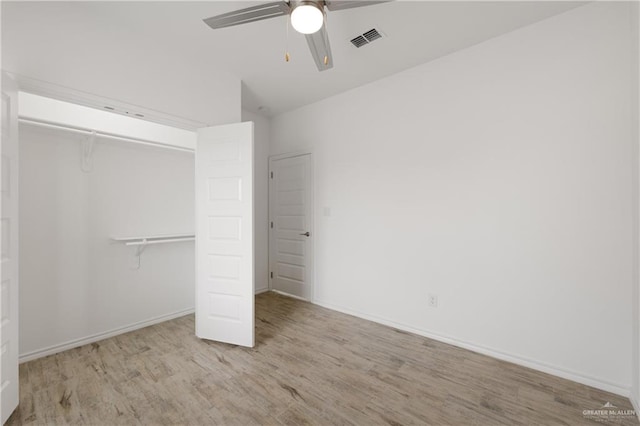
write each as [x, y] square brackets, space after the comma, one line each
[366, 38]
[372, 35]
[359, 41]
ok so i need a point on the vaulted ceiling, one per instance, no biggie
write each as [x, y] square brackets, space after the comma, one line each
[37, 34]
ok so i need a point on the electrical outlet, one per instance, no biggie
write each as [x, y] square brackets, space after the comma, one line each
[433, 300]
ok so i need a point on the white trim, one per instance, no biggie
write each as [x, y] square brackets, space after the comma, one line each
[49, 112]
[282, 293]
[636, 406]
[262, 290]
[67, 94]
[269, 228]
[615, 388]
[314, 228]
[288, 155]
[29, 356]
[312, 253]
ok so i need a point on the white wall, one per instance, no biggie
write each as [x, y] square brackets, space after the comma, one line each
[261, 200]
[635, 93]
[497, 178]
[75, 282]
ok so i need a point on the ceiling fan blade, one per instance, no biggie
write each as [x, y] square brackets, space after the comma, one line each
[320, 49]
[250, 14]
[333, 5]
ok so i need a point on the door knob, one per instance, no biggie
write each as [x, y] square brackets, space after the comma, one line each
[306, 234]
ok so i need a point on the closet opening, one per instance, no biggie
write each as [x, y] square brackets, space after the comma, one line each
[107, 224]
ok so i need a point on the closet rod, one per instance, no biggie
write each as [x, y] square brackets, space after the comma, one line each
[86, 131]
[168, 240]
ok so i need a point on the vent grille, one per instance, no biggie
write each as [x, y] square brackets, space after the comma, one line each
[372, 35]
[366, 38]
[359, 41]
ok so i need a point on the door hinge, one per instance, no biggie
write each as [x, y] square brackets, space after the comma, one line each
[271, 225]
[271, 175]
[271, 274]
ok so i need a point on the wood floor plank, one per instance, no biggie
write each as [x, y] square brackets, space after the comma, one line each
[310, 366]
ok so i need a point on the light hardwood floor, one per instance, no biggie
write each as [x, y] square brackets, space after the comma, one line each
[310, 366]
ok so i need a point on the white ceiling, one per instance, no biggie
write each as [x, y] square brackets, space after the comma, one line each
[416, 32]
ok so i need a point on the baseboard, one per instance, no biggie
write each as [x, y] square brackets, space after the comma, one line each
[29, 356]
[282, 293]
[514, 359]
[546, 368]
[636, 405]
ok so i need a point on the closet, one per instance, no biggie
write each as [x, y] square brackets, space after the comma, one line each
[106, 224]
[111, 223]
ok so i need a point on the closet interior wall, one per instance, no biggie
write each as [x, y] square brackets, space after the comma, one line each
[77, 284]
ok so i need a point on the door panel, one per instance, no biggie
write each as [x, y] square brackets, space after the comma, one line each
[224, 234]
[291, 210]
[9, 250]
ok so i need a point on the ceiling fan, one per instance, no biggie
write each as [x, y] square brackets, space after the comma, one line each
[307, 17]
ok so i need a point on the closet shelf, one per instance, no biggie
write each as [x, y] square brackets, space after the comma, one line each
[140, 243]
[167, 238]
[159, 241]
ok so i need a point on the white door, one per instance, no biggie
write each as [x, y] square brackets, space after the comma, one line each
[224, 234]
[9, 256]
[291, 222]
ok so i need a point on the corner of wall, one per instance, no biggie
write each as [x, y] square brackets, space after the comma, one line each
[261, 190]
[635, 73]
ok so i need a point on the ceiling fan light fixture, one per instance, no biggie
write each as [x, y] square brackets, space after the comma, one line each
[307, 18]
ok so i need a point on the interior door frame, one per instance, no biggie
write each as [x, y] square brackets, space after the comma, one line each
[10, 148]
[312, 223]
